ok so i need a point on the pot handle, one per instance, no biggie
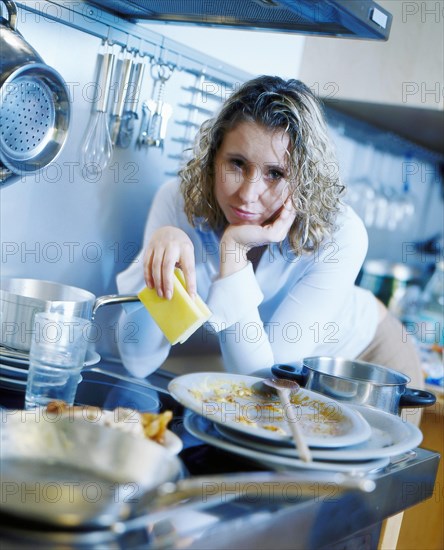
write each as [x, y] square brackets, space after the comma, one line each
[12, 12]
[417, 398]
[113, 299]
[171, 497]
[291, 373]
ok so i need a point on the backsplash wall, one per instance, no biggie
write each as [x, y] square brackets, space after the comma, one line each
[63, 227]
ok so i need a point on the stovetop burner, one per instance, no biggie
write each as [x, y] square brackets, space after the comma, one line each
[108, 389]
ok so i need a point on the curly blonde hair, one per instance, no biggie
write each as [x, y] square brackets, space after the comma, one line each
[313, 178]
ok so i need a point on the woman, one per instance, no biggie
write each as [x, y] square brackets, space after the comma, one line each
[257, 225]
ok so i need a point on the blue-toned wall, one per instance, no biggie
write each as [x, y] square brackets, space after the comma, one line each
[60, 226]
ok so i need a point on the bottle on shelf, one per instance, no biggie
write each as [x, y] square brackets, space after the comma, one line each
[430, 328]
[432, 307]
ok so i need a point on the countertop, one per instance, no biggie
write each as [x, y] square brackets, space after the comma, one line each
[347, 520]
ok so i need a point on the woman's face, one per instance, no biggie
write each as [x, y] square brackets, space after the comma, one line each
[250, 173]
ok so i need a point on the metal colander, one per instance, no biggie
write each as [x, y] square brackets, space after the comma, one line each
[26, 118]
[34, 105]
[32, 121]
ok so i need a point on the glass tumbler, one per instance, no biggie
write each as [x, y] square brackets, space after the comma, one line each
[56, 358]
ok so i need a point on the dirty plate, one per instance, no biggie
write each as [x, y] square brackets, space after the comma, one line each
[232, 400]
[391, 436]
[205, 430]
[172, 443]
[16, 357]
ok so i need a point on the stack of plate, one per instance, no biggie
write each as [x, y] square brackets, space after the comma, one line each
[232, 412]
[14, 366]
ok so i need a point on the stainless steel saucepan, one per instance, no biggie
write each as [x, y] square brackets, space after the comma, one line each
[388, 281]
[74, 473]
[21, 299]
[357, 383]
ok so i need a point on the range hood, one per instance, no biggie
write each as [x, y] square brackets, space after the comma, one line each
[363, 19]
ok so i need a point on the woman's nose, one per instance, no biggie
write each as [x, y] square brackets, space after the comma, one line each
[250, 188]
[247, 191]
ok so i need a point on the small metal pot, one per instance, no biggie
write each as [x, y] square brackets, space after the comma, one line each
[357, 383]
[388, 281]
[34, 105]
[21, 299]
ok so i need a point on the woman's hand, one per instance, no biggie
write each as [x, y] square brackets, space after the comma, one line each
[168, 248]
[237, 240]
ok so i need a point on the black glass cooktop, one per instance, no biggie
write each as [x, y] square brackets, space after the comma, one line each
[110, 390]
[106, 387]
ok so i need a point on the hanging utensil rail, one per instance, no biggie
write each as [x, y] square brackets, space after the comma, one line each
[96, 22]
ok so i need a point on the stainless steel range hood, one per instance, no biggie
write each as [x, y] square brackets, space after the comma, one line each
[363, 19]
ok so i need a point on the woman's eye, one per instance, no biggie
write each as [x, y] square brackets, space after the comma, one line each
[275, 175]
[237, 163]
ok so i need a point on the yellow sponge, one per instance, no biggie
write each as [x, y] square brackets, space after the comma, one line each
[179, 317]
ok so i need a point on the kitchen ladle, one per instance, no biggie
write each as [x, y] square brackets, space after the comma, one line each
[284, 388]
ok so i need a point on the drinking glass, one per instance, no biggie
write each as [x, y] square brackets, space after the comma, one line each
[57, 356]
[361, 192]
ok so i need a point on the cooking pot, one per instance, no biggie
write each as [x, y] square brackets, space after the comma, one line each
[388, 281]
[34, 105]
[357, 383]
[73, 473]
[21, 299]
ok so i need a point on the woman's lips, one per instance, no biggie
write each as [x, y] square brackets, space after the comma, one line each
[243, 214]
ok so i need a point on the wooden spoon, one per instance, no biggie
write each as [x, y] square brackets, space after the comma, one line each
[284, 388]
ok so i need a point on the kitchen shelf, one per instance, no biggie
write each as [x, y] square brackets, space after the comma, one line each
[384, 136]
[422, 126]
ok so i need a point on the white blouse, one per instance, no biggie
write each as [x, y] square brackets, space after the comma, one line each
[290, 308]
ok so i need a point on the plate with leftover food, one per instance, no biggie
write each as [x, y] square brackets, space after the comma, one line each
[13, 372]
[141, 424]
[17, 357]
[391, 436]
[205, 430]
[243, 404]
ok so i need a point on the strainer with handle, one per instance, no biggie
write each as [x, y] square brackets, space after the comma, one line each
[34, 105]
